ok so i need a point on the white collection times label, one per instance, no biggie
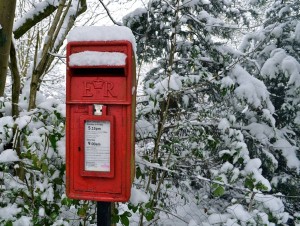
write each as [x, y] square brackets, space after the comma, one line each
[97, 146]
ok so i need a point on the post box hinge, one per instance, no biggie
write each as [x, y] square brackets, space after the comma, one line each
[98, 109]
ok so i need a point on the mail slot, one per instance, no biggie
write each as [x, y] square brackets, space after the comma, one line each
[100, 99]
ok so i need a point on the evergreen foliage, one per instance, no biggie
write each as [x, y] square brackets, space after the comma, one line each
[219, 124]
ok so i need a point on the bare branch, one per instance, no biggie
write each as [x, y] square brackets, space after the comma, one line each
[28, 21]
[109, 15]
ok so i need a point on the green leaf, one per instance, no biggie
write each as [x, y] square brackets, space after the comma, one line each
[249, 182]
[35, 160]
[66, 201]
[223, 92]
[138, 173]
[219, 191]
[53, 140]
[44, 167]
[148, 205]
[115, 218]
[149, 215]
[58, 115]
[135, 208]
[53, 215]
[261, 186]
[58, 181]
[81, 212]
[8, 223]
[168, 185]
[115, 211]
[127, 214]
[124, 220]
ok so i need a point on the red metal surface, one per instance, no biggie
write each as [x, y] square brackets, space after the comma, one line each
[111, 87]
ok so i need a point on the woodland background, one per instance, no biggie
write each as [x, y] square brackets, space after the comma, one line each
[218, 111]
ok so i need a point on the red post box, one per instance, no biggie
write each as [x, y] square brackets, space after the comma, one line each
[100, 101]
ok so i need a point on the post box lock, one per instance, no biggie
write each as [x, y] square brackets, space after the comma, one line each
[98, 109]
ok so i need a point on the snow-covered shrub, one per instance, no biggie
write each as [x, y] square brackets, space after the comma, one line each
[32, 170]
[211, 142]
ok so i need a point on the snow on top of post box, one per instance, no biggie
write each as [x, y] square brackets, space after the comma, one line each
[102, 33]
[94, 58]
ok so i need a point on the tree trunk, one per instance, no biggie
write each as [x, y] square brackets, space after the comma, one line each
[46, 58]
[7, 14]
[16, 81]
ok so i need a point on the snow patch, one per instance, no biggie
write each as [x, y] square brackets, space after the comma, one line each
[223, 124]
[8, 212]
[175, 82]
[102, 33]
[297, 119]
[35, 11]
[8, 155]
[136, 12]
[144, 128]
[205, 2]
[285, 10]
[240, 213]
[190, 3]
[260, 131]
[23, 121]
[61, 147]
[268, 116]
[169, 83]
[289, 152]
[23, 221]
[272, 66]
[226, 82]
[270, 202]
[251, 89]
[226, 167]
[277, 31]
[291, 67]
[41, 212]
[93, 58]
[7, 120]
[253, 167]
[297, 32]
[185, 100]
[138, 196]
[282, 63]
[227, 2]
[218, 218]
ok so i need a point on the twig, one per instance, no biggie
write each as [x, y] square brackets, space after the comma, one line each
[109, 15]
[174, 215]
[245, 189]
